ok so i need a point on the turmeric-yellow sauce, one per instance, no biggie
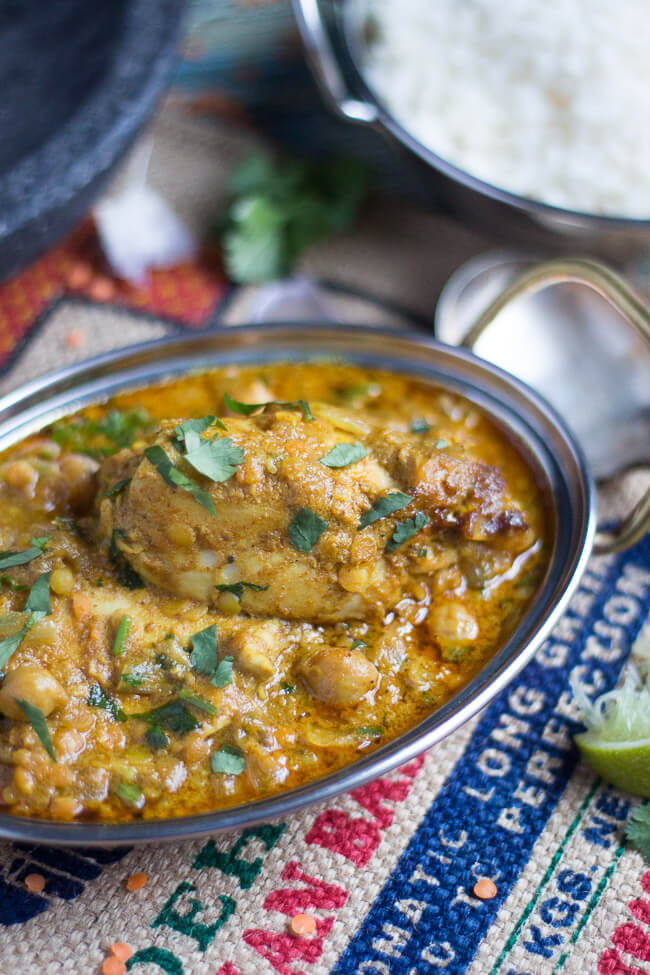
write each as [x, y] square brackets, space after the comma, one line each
[194, 615]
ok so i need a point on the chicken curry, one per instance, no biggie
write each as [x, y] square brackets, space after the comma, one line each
[230, 584]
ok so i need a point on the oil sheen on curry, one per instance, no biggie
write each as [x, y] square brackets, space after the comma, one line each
[225, 586]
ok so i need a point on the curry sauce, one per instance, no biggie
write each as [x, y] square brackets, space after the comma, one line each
[230, 584]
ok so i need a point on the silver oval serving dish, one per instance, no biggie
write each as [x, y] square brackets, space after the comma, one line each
[531, 424]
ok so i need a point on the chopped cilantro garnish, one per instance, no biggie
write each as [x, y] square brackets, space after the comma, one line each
[126, 574]
[247, 408]
[133, 680]
[420, 426]
[37, 720]
[116, 488]
[15, 586]
[384, 506]
[280, 208]
[305, 529]
[196, 426]
[121, 636]
[370, 731]
[198, 702]
[171, 475]
[344, 454]
[101, 438]
[223, 674]
[406, 529]
[204, 656]
[228, 760]
[10, 644]
[129, 794]
[98, 698]
[173, 716]
[637, 830]
[237, 588]
[38, 601]
[36, 607]
[357, 643]
[287, 687]
[156, 738]
[217, 459]
[10, 559]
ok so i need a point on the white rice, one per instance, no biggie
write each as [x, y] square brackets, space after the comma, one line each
[549, 99]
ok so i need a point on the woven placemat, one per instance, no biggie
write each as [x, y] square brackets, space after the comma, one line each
[388, 870]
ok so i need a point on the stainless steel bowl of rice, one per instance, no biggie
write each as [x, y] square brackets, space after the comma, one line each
[529, 120]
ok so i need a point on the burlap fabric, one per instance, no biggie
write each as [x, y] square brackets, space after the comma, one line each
[388, 870]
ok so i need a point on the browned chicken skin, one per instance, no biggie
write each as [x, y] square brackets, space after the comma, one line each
[173, 541]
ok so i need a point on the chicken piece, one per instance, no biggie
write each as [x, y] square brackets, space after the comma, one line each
[341, 570]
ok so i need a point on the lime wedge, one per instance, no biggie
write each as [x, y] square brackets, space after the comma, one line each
[624, 764]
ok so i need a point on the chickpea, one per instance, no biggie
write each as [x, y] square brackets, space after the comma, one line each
[62, 581]
[21, 476]
[253, 649]
[78, 472]
[338, 676]
[358, 578]
[24, 781]
[33, 684]
[180, 534]
[65, 807]
[452, 622]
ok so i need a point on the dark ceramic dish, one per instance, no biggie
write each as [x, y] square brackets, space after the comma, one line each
[78, 82]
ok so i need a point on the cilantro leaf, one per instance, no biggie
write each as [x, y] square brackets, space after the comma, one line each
[384, 506]
[216, 459]
[228, 760]
[406, 529]
[281, 208]
[126, 574]
[101, 438]
[98, 698]
[10, 644]
[129, 794]
[223, 674]
[36, 607]
[171, 475]
[237, 588]
[40, 541]
[116, 488]
[10, 559]
[156, 738]
[198, 702]
[637, 830]
[420, 426]
[173, 716]
[37, 720]
[199, 426]
[247, 408]
[38, 601]
[370, 731]
[305, 529]
[357, 643]
[287, 687]
[121, 636]
[15, 586]
[344, 454]
[204, 657]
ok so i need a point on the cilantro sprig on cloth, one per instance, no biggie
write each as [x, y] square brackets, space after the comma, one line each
[280, 209]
